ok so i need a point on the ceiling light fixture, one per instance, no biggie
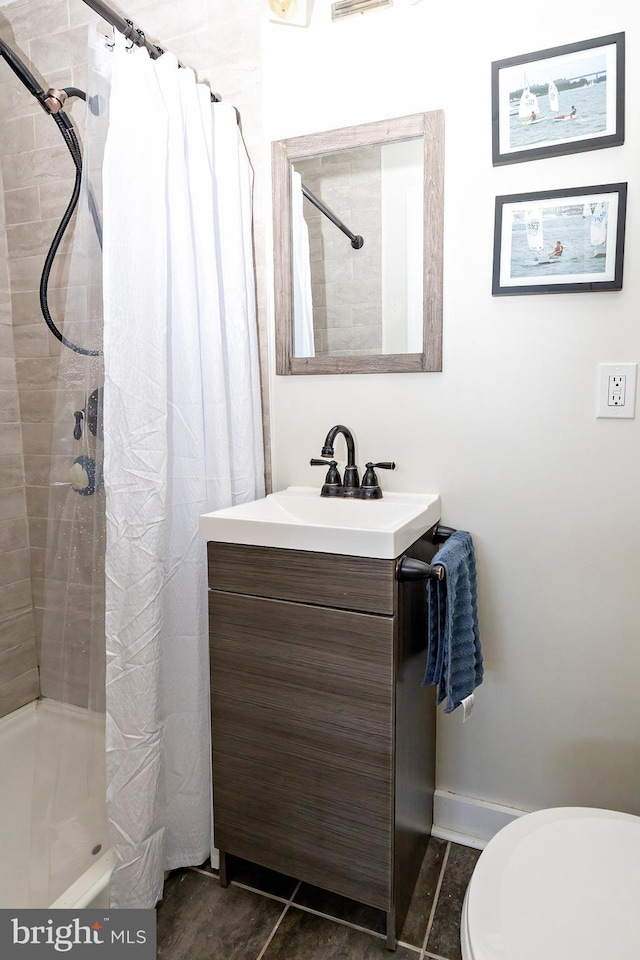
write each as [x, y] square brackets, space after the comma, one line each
[296, 13]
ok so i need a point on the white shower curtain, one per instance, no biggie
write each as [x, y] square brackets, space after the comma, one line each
[303, 336]
[183, 436]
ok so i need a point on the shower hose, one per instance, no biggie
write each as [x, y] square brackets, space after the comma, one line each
[52, 102]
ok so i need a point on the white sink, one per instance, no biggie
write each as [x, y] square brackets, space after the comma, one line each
[298, 518]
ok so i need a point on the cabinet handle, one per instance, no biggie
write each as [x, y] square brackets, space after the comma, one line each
[408, 569]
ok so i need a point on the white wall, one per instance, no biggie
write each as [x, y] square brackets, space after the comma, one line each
[506, 434]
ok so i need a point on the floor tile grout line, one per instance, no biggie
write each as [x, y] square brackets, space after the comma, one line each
[344, 923]
[434, 905]
[263, 893]
[347, 923]
[238, 883]
[205, 873]
[278, 922]
[353, 926]
[434, 956]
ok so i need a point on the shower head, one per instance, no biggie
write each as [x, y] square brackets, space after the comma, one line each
[53, 100]
[24, 74]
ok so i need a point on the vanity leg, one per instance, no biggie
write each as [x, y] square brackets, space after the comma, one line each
[391, 930]
[224, 875]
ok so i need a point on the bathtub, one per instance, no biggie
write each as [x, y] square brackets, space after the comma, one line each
[53, 844]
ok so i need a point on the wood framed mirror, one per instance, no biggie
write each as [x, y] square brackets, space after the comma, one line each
[358, 237]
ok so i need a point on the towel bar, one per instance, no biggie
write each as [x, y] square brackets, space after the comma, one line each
[408, 569]
[442, 533]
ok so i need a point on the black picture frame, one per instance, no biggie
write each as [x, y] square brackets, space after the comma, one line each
[588, 223]
[589, 79]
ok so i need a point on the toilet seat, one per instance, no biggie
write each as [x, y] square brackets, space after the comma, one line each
[558, 884]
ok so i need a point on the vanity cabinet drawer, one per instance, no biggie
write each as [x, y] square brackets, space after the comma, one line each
[303, 741]
[331, 580]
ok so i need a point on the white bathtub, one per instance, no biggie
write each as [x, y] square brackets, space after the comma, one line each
[53, 843]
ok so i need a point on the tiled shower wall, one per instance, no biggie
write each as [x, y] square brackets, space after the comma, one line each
[38, 176]
[222, 42]
[18, 670]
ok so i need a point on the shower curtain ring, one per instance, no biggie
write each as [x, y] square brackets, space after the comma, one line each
[110, 42]
[128, 34]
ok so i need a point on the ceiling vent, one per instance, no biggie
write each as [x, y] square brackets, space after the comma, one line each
[346, 8]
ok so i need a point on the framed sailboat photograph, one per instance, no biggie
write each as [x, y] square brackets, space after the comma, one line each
[561, 100]
[561, 241]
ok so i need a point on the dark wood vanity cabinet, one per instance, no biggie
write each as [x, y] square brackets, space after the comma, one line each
[323, 737]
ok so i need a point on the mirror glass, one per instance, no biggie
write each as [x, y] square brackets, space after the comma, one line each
[366, 293]
[358, 248]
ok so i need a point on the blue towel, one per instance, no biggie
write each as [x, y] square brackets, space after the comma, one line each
[454, 656]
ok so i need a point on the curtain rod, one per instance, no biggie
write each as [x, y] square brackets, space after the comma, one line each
[356, 240]
[130, 31]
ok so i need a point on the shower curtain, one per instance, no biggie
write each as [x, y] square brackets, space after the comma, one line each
[303, 334]
[182, 437]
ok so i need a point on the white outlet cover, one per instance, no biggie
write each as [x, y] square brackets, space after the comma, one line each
[627, 411]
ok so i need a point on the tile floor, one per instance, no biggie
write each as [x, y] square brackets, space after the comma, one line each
[263, 915]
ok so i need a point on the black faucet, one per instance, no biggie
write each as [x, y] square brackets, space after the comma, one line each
[351, 480]
[350, 486]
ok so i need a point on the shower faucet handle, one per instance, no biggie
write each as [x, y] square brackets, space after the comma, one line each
[77, 430]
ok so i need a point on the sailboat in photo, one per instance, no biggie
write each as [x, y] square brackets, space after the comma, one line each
[554, 104]
[563, 116]
[528, 111]
[535, 231]
[599, 220]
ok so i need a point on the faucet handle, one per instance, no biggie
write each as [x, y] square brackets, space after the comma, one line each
[332, 486]
[370, 489]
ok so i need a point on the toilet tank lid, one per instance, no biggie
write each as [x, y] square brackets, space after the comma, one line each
[562, 883]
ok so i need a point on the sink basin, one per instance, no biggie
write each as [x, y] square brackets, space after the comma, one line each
[298, 518]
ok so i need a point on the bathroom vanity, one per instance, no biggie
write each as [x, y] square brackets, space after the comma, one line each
[323, 737]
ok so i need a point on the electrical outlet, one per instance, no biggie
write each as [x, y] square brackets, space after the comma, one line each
[617, 390]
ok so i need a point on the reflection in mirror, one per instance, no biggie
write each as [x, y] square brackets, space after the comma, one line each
[366, 299]
[355, 212]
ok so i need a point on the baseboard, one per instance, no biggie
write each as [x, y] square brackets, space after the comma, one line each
[467, 820]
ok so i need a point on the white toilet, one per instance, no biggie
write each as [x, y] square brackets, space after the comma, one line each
[558, 884]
